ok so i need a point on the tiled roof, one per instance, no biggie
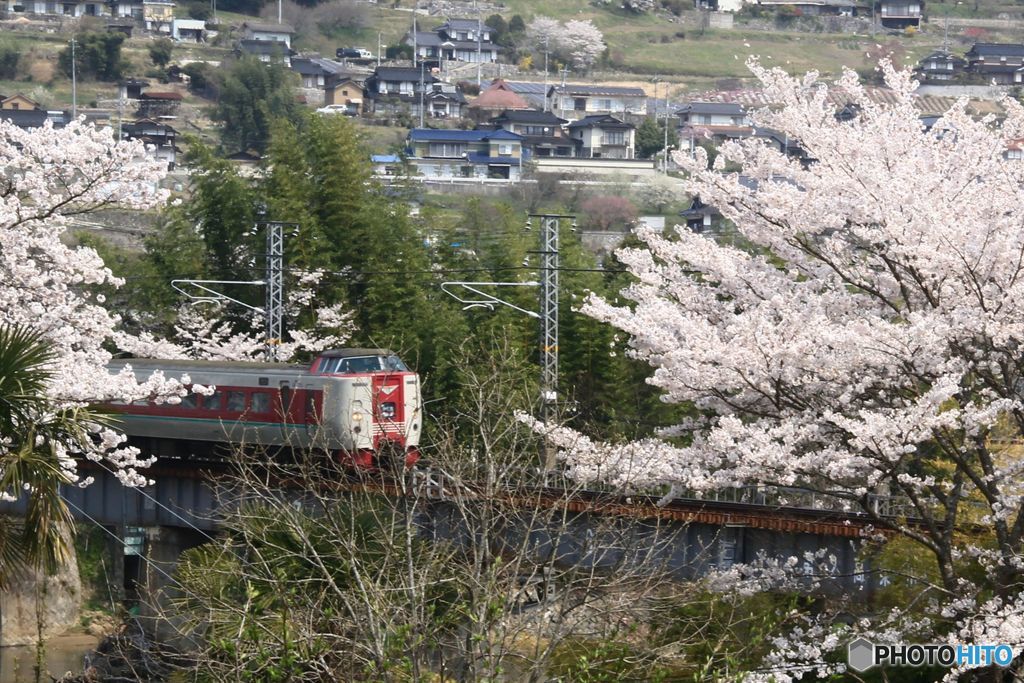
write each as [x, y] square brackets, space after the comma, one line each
[576, 89]
[723, 108]
[24, 118]
[997, 50]
[402, 73]
[267, 28]
[602, 120]
[529, 116]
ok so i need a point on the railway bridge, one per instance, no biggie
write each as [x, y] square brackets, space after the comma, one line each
[149, 527]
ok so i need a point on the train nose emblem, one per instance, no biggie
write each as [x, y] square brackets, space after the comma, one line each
[386, 390]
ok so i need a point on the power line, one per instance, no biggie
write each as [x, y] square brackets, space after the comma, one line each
[445, 271]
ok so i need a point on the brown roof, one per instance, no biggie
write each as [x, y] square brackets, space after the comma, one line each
[161, 96]
[498, 95]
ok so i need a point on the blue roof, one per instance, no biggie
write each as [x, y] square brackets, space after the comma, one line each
[429, 134]
[384, 158]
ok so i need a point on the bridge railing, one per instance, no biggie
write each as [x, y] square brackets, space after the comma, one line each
[790, 497]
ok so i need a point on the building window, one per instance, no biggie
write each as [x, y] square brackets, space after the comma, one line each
[604, 104]
[615, 137]
[504, 150]
[446, 149]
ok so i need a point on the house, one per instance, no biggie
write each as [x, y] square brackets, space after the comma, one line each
[386, 164]
[70, 8]
[131, 88]
[188, 30]
[443, 101]
[899, 13]
[460, 40]
[574, 101]
[543, 133]
[604, 137]
[128, 9]
[25, 118]
[822, 8]
[534, 93]
[940, 66]
[341, 89]
[392, 90]
[125, 25]
[700, 217]
[315, 71]
[997, 62]
[158, 15]
[496, 98]
[159, 138]
[496, 154]
[18, 103]
[789, 146]
[281, 33]
[156, 104]
[267, 50]
[716, 120]
[246, 163]
[1014, 150]
[712, 115]
[25, 112]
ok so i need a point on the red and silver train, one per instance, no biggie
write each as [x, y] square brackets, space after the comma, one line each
[356, 404]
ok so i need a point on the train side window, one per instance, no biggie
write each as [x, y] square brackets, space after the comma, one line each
[236, 402]
[261, 402]
[212, 402]
[189, 401]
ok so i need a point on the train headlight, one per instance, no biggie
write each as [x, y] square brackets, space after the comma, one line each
[357, 417]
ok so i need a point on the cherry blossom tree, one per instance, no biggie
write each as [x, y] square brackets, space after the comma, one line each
[867, 344]
[583, 43]
[580, 43]
[204, 332]
[48, 178]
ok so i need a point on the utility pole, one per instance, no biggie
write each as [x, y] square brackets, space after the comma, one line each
[378, 47]
[479, 52]
[278, 11]
[74, 82]
[664, 149]
[546, 73]
[421, 94]
[120, 113]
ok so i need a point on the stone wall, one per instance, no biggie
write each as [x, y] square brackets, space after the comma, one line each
[33, 599]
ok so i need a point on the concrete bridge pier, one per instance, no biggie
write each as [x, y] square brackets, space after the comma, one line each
[155, 584]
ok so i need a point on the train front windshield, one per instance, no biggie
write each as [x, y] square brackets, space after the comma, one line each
[358, 365]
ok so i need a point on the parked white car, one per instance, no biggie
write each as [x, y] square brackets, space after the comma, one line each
[336, 109]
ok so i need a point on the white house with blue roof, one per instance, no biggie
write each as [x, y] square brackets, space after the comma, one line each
[480, 154]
